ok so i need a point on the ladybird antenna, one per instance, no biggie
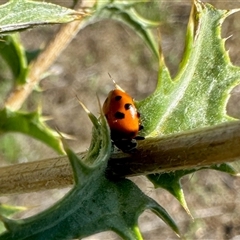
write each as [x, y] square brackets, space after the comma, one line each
[115, 84]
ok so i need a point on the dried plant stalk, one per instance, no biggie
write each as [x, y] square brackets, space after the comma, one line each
[41, 64]
[193, 149]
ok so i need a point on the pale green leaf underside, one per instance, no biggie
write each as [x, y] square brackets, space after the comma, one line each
[197, 96]
[21, 14]
[124, 11]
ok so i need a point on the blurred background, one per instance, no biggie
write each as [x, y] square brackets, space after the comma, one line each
[111, 47]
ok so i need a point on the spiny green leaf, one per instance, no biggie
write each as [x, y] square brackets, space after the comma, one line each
[171, 180]
[22, 14]
[95, 203]
[197, 96]
[98, 205]
[226, 168]
[13, 53]
[124, 11]
[31, 124]
[7, 211]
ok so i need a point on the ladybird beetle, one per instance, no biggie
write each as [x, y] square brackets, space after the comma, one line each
[123, 119]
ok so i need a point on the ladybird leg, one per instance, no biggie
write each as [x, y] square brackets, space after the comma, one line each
[126, 145]
[112, 146]
[139, 138]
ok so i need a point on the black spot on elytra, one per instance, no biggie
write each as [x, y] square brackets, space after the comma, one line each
[119, 115]
[118, 98]
[127, 106]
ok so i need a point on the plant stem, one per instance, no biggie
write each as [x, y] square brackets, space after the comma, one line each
[202, 147]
